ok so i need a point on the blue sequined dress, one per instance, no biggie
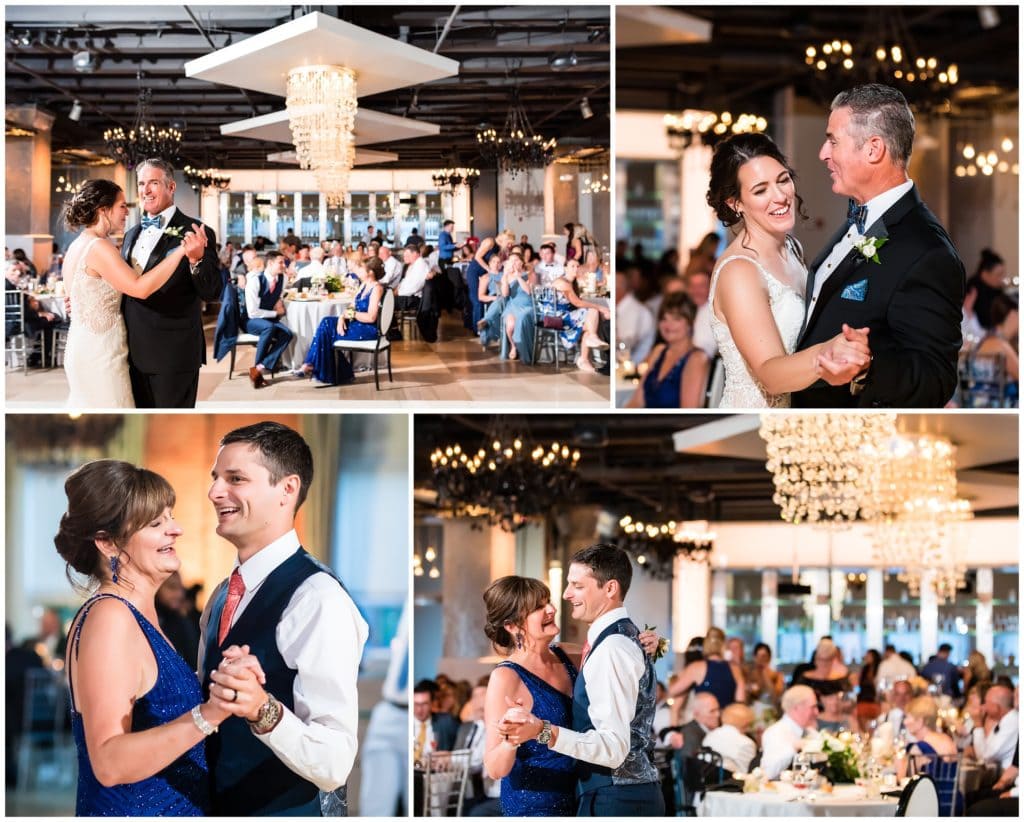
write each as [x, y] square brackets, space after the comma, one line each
[180, 789]
[542, 782]
[321, 351]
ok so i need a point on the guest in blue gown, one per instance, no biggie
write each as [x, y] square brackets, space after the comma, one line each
[358, 323]
[489, 295]
[517, 319]
[676, 369]
[933, 753]
[478, 267]
[137, 713]
[579, 317]
[538, 675]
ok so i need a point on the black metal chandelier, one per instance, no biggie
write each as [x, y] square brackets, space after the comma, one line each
[143, 140]
[205, 178]
[508, 479]
[655, 546]
[517, 147]
[452, 178]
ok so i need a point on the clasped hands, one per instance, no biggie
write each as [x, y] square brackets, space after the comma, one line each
[237, 685]
[844, 357]
[194, 243]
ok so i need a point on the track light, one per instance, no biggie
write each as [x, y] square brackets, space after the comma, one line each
[563, 61]
[76, 111]
[988, 16]
[585, 110]
[83, 62]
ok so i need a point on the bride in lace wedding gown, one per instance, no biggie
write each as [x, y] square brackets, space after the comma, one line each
[757, 287]
[95, 277]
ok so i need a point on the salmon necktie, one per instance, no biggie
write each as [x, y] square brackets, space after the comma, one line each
[236, 589]
[586, 653]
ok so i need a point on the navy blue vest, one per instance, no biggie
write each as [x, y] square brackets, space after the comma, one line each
[270, 296]
[248, 779]
[638, 767]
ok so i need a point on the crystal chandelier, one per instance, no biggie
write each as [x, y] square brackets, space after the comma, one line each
[452, 178]
[821, 463]
[655, 546]
[321, 103]
[507, 479]
[913, 506]
[517, 147]
[708, 127]
[205, 178]
[143, 140]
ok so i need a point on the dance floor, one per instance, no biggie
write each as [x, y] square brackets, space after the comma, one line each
[455, 369]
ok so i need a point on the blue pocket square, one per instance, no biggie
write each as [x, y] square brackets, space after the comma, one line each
[856, 291]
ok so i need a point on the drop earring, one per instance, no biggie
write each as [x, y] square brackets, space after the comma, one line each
[519, 641]
[113, 569]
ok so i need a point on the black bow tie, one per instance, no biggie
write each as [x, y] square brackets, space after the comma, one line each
[856, 215]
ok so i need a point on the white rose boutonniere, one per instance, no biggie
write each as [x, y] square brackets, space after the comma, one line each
[173, 231]
[868, 247]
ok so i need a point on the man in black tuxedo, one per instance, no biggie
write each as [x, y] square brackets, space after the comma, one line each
[166, 346]
[910, 291]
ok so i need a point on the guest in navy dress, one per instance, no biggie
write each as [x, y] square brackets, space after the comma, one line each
[359, 323]
[137, 713]
[711, 675]
[677, 370]
[933, 753]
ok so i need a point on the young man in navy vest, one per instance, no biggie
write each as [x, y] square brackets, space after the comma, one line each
[614, 700]
[291, 743]
[264, 308]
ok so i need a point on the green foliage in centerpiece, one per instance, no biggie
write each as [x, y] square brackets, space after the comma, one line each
[333, 285]
[842, 760]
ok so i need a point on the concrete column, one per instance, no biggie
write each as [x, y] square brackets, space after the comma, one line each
[28, 190]
[983, 639]
[770, 609]
[691, 602]
[875, 612]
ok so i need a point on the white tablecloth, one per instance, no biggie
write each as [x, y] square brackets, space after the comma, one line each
[53, 304]
[303, 317]
[845, 800]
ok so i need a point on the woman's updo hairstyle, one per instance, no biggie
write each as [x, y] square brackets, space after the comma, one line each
[107, 499]
[83, 207]
[732, 154]
[374, 266]
[508, 600]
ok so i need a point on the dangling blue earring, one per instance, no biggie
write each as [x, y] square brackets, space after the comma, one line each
[113, 569]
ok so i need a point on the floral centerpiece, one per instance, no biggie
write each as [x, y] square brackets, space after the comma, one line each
[841, 758]
[333, 284]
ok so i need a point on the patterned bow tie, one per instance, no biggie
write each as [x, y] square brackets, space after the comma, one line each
[151, 222]
[856, 215]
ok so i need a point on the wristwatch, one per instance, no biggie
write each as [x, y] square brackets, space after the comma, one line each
[269, 716]
[544, 737]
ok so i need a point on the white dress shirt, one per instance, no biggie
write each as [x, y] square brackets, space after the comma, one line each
[415, 278]
[321, 635]
[149, 237]
[337, 266]
[779, 745]
[392, 271]
[613, 671]
[634, 326]
[737, 749]
[428, 739]
[252, 297]
[876, 208]
[547, 273]
[999, 745]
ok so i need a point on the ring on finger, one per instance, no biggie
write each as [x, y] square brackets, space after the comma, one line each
[234, 695]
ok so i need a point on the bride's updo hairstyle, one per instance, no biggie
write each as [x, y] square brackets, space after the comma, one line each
[107, 499]
[83, 207]
[508, 601]
[730, 156]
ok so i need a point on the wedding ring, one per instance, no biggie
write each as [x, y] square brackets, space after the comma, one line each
[234, 698]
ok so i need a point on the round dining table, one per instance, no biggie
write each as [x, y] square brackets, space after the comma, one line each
[784, 800]
[303, 316]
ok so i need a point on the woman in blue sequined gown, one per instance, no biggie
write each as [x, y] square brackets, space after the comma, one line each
[538, 677]
[517, 319]
[360, 325]
[489, 296]
[137, 713]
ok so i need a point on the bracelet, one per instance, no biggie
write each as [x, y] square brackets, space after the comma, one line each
[201, 723]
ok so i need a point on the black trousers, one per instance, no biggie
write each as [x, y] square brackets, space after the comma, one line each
[173, 390]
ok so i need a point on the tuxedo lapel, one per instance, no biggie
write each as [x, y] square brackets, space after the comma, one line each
[818, 262]
[129, 242]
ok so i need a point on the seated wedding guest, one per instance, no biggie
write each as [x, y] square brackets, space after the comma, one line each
[698, 287]
[482, 792]
[392, 267]
[863, 681]
[592, 265]
[264, 308]
[764, 684]
[988, 282]
[417, 272]
[662, 711]
[829, 675]
[731, 739]
[548, 269]
[702, 258]
[677, 370]
[921, 722]
[1002, 334]
[489, 295]
[944, 673]
[579, 317]
[898, 699]
[36, 320]
[430, 731]
[996, 744]
[893, 666]
[359, 322]
[782, 741]
[244, 265]
[335, 263]
[635, 327]
[831, 716]
[1003, 798]
[976, 671]
[314, 269]
[27, 264]
[414, 238]
[517, 315]
[706, 717]
[712, 674]
[970, 329]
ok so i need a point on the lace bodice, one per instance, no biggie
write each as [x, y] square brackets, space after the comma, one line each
[95, 303]
[742, 389]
